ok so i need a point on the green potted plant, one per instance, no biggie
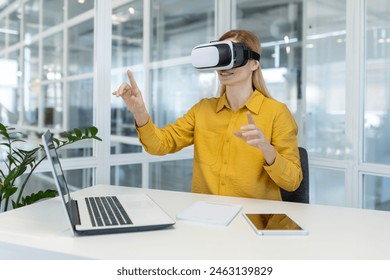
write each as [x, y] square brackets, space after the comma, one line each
[17, 162]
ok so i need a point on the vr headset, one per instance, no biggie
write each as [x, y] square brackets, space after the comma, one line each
[221, 55]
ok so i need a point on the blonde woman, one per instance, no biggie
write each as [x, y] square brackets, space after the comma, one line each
[245, 142]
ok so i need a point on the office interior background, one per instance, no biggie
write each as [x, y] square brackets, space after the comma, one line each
[328, 60]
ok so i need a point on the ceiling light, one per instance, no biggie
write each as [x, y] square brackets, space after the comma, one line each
[383, 40]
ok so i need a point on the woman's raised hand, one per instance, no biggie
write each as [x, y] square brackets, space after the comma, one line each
[132, 97]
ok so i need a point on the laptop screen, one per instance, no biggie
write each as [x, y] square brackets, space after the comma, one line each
[58, 173]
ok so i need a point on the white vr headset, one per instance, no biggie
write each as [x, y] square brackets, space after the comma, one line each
[221, 55]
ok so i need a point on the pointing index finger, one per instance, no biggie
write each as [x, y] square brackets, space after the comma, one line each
[133, 83]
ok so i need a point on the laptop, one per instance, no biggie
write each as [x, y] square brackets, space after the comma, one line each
[104, 214]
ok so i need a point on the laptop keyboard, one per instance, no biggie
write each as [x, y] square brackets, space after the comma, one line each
[106, 211]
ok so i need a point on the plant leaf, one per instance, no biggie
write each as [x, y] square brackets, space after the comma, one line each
[9, 191]
[4, 131]
[72, 138]
[5, 144]
[55, 140]
[18, 161]
[86, 132]
[94, 130]
[78, 133]
[34, 197]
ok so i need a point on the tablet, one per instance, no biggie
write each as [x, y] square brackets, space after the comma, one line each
[274, 224]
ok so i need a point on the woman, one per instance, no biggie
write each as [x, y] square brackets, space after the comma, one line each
[245, 142]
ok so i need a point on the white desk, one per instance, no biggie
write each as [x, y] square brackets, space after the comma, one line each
[39, 231]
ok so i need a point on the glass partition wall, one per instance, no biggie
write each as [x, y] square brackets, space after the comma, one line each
[375, 193]
[157, 50]
[326, 59]
[47, 52]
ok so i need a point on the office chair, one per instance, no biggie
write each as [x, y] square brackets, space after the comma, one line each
[302, 193]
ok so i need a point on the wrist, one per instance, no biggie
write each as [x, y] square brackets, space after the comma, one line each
[141, 118]
[269, 155]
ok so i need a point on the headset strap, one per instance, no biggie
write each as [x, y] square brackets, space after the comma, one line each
[249, 54]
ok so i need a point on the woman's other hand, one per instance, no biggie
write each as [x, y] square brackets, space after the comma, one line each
[255, 137]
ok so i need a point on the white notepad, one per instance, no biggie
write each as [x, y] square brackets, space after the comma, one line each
[210, 213]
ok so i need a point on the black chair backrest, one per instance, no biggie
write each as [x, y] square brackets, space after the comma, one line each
[302, 193]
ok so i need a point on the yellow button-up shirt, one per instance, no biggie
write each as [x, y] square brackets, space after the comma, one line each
[223, 163]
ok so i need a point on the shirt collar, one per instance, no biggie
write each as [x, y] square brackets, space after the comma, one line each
[253, 104]
[222, 102]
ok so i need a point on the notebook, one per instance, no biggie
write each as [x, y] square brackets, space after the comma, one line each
[210, 213]
[104, 214]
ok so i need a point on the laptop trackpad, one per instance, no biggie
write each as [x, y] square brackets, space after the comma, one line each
[137, 204]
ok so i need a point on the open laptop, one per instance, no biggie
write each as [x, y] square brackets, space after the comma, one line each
[104, 214]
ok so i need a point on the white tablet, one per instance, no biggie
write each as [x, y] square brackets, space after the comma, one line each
[274, 224]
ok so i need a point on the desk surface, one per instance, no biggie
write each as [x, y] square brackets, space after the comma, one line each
[40, 231]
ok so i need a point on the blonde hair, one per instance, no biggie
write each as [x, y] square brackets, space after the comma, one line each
[250, 40]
